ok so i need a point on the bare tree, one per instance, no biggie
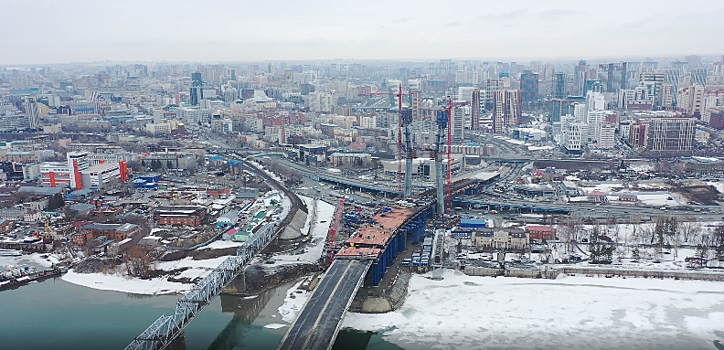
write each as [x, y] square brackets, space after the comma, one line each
[689, 228]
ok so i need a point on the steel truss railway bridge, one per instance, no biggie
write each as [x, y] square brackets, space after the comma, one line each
[161, 333]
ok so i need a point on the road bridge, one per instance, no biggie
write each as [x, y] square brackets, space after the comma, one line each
[318, 323]
[363, 260]
[531, 207]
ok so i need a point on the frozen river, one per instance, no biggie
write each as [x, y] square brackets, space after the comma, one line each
[467, 312]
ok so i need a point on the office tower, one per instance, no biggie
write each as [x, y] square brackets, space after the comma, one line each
[671, 134]
[506, 110]
[232, 72]
[653, 82]
[32, 112]
[613, 75]
[194, 95]
[579, 78]
[196, 79]
[559, 85]
[476, 108]
[528, 86]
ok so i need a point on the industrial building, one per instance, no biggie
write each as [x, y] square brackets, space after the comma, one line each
[78, 173]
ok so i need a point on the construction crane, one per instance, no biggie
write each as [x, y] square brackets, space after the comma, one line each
[448, 184]
[399, 95]
[50, 234]
[442, 122]
[332, 233]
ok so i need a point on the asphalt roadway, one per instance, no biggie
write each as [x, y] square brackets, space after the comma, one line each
[318, 322]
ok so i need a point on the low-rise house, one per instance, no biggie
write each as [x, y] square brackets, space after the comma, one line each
[191, 216]
[598, 197]
[32, 216]
[486, 239]
[540, 232]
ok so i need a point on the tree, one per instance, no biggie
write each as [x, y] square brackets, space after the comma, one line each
[600, 247]
[689, 228]
[635, 255]
[718, 235]
[720, 252]
[702, 253]
[56, 201]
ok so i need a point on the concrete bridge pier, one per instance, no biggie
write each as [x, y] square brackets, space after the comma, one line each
[237, 285]
[179, 343]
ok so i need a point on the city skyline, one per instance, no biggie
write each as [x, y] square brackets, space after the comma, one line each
[82, 31]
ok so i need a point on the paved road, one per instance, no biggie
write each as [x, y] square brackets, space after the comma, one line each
[317, 324]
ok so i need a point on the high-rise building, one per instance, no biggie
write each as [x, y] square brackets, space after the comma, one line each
[638, 135]
[579, 78]
[613, 75]
[476, 108]
[691, 99]
[699, 76]
[559, 85]
[32, 112]
[606, 133]
[196, 95]
[693, 61]
[506, 110]
[492, 85]
[458, 125]
[671, 134]
[653, 82]
[528, 86]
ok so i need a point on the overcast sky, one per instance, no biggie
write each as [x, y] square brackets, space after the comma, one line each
[60, 31]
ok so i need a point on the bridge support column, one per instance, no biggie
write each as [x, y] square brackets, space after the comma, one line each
[179, 343]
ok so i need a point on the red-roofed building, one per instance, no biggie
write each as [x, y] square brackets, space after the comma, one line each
[597, 196]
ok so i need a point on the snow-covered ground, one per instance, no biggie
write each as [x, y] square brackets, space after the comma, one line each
[539, 148]
[35, 259]
[120, 283]
[468, 312]
[718, 184]
[309, 203]
[315, 247]
[196, 268]
[293, 303]
[221, 244]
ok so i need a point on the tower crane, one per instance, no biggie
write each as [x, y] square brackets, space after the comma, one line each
[444, 120]
[399, 95]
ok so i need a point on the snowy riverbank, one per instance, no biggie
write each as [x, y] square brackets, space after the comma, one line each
[118, 283]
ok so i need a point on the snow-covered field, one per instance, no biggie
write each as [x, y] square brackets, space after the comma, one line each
[120, 283]
[468, 312]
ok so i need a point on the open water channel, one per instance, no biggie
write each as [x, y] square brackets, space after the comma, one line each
[54, 314]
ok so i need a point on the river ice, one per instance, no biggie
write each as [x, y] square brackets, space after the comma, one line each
[468, 312]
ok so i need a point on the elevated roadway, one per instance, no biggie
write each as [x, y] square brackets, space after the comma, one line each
[317, 325]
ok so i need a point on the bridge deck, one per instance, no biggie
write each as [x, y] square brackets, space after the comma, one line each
[318, 323]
